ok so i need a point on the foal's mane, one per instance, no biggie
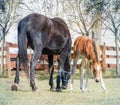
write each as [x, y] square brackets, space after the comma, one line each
[95, 49]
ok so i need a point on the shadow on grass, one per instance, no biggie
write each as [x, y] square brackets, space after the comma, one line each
[43, 75]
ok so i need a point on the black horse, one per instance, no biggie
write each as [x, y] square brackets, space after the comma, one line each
[44, 35]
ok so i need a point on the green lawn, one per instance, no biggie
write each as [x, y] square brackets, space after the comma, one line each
[24, 95]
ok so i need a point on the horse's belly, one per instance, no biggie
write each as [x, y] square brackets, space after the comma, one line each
[55, 42]
[49, 51]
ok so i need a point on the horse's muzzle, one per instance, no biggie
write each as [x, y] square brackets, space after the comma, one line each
[65, 79]
[97, 80]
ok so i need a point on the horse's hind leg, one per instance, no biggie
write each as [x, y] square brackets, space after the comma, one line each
[87, 73]
[51, 68]
[86, 84]
[82, 71]
[33, 62]
[14, 87]
[73, 72]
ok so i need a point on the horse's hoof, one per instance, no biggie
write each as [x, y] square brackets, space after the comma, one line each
[58, 90]
[52, 89]
[105, 91]
[64, 87]
[14, 87]
[34, 89]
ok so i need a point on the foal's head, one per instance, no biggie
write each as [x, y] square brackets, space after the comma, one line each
[96, 63]
[97, 68]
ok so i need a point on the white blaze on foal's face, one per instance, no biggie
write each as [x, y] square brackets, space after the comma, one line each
[96, 71]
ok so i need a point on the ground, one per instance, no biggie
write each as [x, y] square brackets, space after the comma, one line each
[24, 95]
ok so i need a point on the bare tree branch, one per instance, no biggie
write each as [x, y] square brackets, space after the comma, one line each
[118, 25]
[1, 25]
[92, 24]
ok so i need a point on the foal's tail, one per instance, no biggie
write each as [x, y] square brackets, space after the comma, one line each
[22, 45]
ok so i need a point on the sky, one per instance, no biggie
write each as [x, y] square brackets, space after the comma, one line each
[12, 35]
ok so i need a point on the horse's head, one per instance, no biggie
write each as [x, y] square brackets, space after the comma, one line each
[65, 78]
[97, 68]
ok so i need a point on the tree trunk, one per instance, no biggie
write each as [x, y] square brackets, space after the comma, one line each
[1, 66]
[2, 53]
[117, 54]
[97, 31]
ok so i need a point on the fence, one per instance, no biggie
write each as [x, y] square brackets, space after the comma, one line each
[108, 53]
[11, 51]
[111, 56]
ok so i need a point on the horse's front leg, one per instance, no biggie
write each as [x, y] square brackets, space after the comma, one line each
[63, 56]
[58, 88]
[81, 80]
[14, 87]
[51, 70]
[102, 82]
[87, 77]
[66, 73]
[33, 62]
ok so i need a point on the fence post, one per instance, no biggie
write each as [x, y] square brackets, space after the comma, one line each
[8, 62]
[103, 47]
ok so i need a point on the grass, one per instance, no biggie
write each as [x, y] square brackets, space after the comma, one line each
[24, 95]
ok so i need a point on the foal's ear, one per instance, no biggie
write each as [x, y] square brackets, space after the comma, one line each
[101, 61]
[103, 65]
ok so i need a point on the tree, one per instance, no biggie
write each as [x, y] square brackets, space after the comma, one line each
[74, 12]
[8, 16]
[107, 12]
[96, 9]
[112, 22]
[84, 16]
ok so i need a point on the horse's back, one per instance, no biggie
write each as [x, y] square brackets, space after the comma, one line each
[83, 46]
[61, 25]
[59, 35]
[37, 22]
[51, 33]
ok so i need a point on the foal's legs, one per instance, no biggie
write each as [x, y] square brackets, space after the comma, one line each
[102, 82]
[51, 68]
[82, 71]
[86, 84]
[73, 72]
[88, 69]
[33, 62]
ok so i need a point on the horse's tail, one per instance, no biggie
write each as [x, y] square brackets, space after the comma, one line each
[22, 45]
